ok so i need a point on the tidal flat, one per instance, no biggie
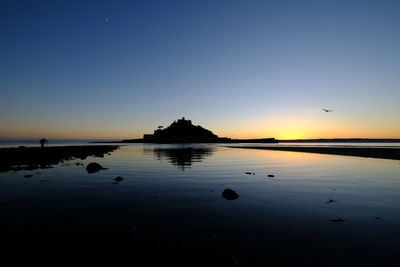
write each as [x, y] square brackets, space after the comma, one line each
[158, 205]
[367, 152]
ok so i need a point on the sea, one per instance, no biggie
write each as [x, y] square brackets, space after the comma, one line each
[291, 209]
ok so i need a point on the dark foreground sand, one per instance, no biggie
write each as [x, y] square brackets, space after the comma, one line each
[368, 152]
[29, 158]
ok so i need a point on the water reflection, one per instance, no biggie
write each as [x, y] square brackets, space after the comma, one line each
[300, 217]
[183, 157]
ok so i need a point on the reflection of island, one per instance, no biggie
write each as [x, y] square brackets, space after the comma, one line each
[183, 157]
[183, 131]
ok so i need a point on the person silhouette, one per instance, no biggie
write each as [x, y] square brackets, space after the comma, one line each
[43, 141]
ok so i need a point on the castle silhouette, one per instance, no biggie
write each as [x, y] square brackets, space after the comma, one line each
[183, 131]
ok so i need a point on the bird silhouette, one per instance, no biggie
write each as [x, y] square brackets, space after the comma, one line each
[327, 110]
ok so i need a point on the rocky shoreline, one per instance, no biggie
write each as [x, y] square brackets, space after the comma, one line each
[30, 158]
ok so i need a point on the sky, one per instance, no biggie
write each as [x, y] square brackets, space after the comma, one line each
[243, 69]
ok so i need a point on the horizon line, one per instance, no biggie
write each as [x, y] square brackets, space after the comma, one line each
[114, 139]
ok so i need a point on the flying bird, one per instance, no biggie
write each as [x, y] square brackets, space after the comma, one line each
[327, 110]
[107, 19]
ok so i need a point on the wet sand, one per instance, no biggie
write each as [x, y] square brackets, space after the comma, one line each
[368, 152]
[29, 158]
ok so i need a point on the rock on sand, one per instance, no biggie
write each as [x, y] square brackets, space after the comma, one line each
[229, 194]
[94, 167]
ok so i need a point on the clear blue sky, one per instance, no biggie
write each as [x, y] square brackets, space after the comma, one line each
[118, 69]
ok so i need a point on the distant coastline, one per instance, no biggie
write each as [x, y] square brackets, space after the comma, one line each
[266, 140]
[342, 140]
[199, 140]
[183, 131]
[53, 142]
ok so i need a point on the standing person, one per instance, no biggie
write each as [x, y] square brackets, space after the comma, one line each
[42, 141]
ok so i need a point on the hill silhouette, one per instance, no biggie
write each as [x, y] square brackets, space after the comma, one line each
[183, 131]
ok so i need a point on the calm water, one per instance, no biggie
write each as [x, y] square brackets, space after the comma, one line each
[169, 209]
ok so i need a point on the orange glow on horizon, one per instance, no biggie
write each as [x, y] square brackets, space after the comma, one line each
[284, 128]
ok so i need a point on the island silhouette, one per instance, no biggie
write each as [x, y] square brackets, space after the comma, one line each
[183, 131]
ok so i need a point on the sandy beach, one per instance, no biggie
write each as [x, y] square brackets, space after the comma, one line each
[368, 152]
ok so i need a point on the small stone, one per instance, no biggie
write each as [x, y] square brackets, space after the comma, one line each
[94, 167]
[118, 179]
[229, 194]
[338, 219]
